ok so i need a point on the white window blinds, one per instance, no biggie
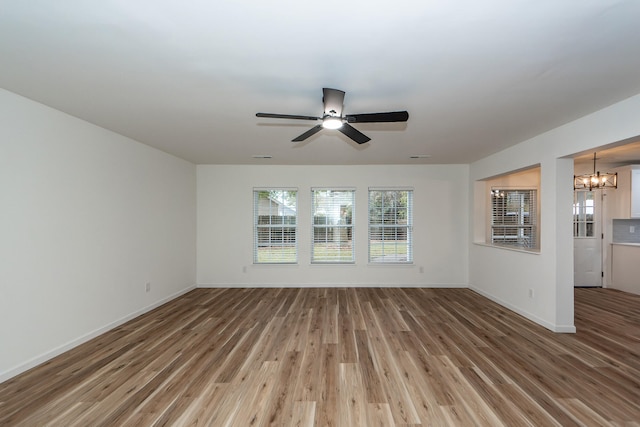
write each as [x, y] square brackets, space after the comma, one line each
[332, 226]
[275, 226]
[390, 226]
[514, 218]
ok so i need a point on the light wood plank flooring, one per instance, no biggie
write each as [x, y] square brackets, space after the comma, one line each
[342, 357]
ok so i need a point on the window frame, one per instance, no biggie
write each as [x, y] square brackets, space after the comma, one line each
[330, 228]
[257, 226]
[383, 226]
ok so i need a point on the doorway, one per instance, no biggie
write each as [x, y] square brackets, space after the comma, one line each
[587, 238]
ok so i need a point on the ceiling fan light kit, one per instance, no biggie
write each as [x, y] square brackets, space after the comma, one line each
[333, 118]
[330, 122]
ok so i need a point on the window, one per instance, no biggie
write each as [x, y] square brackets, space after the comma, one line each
[275, 226]
[514, 218]
[390, 226]
[332, 227]
[583, 214]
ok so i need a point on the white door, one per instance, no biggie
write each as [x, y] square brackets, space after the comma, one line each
[587, 238]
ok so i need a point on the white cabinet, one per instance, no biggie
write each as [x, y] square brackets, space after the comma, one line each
[624, 202]
[625, 269]
[635, 193]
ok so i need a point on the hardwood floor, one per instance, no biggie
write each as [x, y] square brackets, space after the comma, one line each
[343, 357]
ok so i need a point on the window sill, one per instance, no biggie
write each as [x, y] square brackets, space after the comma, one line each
[385, 264]
[333, 263]
[257, 264]
[508, 248]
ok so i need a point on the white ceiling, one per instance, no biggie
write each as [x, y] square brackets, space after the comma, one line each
[188, 77]
[615, 155]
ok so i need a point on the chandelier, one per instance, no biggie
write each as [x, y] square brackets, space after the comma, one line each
[595, 180]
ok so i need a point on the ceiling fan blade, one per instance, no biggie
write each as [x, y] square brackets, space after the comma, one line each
[286, 116]
[354, 133]
[333, 101]
[308, 133]
[393, 116]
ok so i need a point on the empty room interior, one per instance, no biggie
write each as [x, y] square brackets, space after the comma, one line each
[338, 214]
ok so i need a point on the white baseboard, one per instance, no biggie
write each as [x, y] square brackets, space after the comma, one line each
[4, 376]
[566, 329]
[330, 285]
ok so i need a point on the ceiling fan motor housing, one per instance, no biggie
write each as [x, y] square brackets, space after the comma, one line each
[332, 118]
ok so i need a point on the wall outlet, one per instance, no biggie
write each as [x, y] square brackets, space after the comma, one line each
[421, 269]
[147, 287]
[530, 293]
[632, 229]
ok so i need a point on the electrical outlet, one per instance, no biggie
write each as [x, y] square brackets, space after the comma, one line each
[421, 269]
[632, 229]
[147, 287]
[530, 293]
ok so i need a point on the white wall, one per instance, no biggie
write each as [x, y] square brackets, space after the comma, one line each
[550, 273]
[225, 221]
[87, 218]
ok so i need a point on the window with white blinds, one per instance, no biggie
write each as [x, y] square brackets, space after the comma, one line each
[514, 218]
[275, 219]
[390, 225]
[332, 226]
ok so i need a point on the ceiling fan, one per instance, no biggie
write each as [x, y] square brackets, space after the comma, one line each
[332, 118]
